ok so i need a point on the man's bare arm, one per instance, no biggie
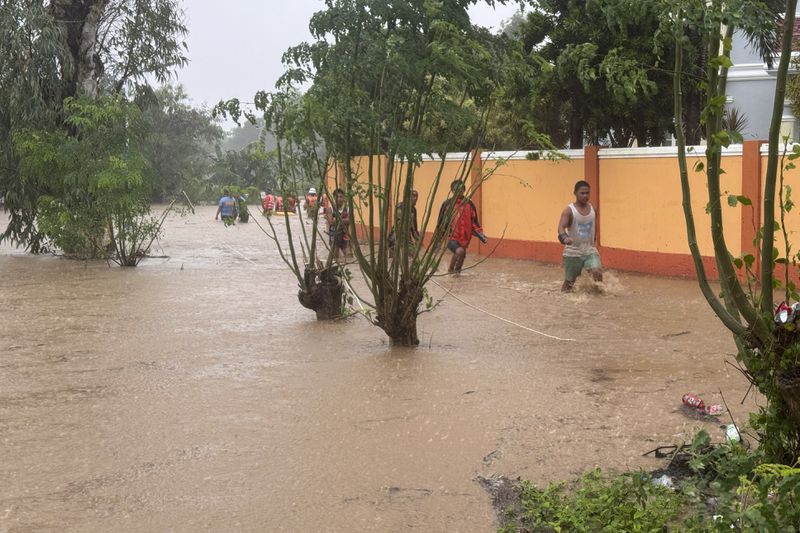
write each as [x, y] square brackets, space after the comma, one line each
[563, 223]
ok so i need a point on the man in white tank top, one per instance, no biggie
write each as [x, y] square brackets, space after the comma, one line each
[576, 231]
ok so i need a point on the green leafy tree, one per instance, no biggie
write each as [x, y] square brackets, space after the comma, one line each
[247, 133]
[251, 166]
[768, 352]
[113, 43]
[523, 110]
[31, 56]
[71, 48]
[594, 72]
[300, 161]
[100, 201]
[180, 140]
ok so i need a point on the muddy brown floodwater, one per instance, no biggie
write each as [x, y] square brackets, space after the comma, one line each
[194, 393]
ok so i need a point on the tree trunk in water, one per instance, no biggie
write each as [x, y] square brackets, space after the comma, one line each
[406, 337]
[324, 295]
[402, 327]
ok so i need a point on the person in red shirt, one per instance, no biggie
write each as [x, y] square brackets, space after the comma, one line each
[463, 225]
[291, 204]
[268, 204]
[311, 203]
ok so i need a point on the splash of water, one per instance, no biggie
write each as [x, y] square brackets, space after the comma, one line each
[610, 286]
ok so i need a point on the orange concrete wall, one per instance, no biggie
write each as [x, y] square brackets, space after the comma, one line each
[642, 204]
[524, 199]
[520, 202]
[792, 218]
[456, 166]
[426, 176]
[637, 193]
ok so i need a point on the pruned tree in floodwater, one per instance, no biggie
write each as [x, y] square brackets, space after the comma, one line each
[300, 160]
[391, 84]
[768, 352]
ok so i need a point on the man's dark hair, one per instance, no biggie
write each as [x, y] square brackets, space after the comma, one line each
[337, 191]
[581, 183]
[225, 191]
[457, 184]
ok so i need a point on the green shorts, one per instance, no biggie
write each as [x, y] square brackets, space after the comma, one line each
[573, 266]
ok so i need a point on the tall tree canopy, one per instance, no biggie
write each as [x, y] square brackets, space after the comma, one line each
[85, 48]
[181, 140]
[594, 73]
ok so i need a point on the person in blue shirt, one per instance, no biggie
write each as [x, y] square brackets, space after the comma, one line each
[227, 208]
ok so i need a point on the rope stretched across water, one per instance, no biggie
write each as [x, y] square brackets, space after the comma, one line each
[234, 250]
[543, 334]
[448, 291]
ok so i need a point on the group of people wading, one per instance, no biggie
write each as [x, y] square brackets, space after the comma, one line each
[271, 203]
[577, 225]
[337, 216]
[230, 208]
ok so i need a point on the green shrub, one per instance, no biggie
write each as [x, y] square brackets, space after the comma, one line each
[627, 502]
[99, 183]
[730, 489]
[733, 489]
[77, 233]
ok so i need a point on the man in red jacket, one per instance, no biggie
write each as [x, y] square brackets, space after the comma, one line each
[463, 224]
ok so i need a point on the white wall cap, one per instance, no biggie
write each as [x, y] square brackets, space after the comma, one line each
[765, 148]
[519, 155]
[661, 151]
[452, 156]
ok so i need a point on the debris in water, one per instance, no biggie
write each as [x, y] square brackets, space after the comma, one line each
[668, 335]
[697, 404]
[693, 401]
[786, 314]
[664, 481]
[732, 433]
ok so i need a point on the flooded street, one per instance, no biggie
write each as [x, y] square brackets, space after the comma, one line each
[194, 393]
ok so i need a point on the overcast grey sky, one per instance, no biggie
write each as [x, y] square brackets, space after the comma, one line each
[235, 47]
